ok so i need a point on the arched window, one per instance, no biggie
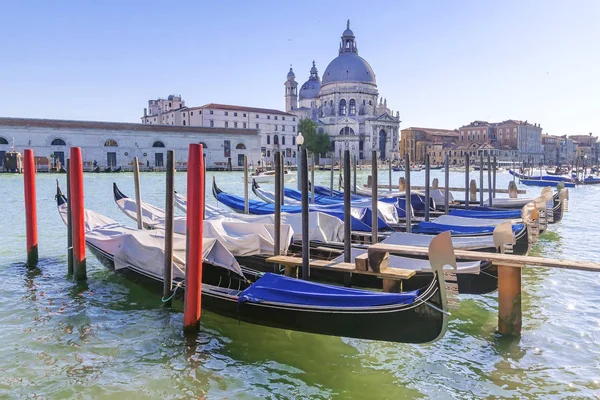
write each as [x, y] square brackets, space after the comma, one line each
[370, 103]
[58, 142]
[352, 107]
[347, 131]
[204, 146]
[3, 140]
[158, 143]
[240, 146]
[275, 139]
[268, 139]
[342, 107]
[111, 143]
[294, 141]
[283, 140]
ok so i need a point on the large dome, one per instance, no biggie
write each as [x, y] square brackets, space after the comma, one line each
[349, 67]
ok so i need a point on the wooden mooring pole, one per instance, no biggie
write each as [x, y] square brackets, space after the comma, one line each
[78, 214]
[169, 217]
[408, 206]
[331, 175]
[490, 194]
[69, 223]
[427, 190]
[446, 186]
[347, 216]
[494, 176]
[355, 174]
[374, 219]
[481, 179]
[30, 207]
[390, 173]
[305, 216]
[138, 194]
[312, 178]
[194, 226]
[467, 167]
[278, 172]
[246, 201]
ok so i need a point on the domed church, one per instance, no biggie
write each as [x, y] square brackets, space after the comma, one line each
[346, 104]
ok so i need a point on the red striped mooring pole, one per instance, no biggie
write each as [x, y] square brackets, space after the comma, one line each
[30, 208]
[77, 213]
[195, 207]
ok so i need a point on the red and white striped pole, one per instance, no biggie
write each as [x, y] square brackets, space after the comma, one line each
[195, 207]
[77, 214]
[30, 208]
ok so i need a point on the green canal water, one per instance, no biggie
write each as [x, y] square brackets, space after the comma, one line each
[109, 337]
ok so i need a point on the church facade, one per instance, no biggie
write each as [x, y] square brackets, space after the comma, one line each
[346, 104]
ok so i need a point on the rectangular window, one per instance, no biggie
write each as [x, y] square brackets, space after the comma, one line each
[191, 113]
[283, 118]
[235, 124]
[227, 148]
[244, 125]
[283, 127]
[211, 112]
[294, 130]
[235, 114]
[200, 112]
[244, 115]
[212, 123]
[275, 127]
[268, 117]
[276, 117]
[183, 114]
[293, 119]
[226, 124]
[257, 126]
[226, 113]
[256, 115]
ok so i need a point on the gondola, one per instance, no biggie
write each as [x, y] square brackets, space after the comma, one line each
[472, 277]
[273, 300]
[361, 216]
[107, 169]
[545, 183]
[96, 169]
[118, 169]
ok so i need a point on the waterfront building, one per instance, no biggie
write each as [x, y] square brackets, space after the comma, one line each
[115, 144]
[585, 147]
[420, 141]
[558, 150]
[346, 104]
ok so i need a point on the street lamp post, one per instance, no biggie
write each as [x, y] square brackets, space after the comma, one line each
[299, 143]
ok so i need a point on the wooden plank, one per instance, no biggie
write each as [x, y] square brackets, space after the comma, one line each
[451, 189]
[389, 273]
[496, 258]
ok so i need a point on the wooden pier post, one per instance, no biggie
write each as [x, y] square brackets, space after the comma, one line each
[427, 190]
[512, 189]
[408, 196]
[312, 178]
[331, 175]
[490, 194]
[473, 191]
[30, 207]
[169, 218]
[481, 179]
[509, 287]
[194, 227]
[390, 174]
[246, 198]
[446, 186]
[402, 184]
[277, 222]
[138, 195]
[347, 209]
[282, 177]
[305, 217]
[78, 214]
[69, 223]
[467, 167]
[374, 219]
[494, 177]
[354, 174]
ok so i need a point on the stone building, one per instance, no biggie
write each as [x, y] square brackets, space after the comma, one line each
[420, 141]
[115, 144]
[346, 104]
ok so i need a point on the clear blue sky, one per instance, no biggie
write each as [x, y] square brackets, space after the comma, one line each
[440, 63]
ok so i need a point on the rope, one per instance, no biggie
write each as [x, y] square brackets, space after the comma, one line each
[180, 284]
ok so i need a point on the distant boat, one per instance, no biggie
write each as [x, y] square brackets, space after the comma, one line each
[262, 176]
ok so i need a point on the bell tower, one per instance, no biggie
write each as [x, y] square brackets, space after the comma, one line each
[291, 92]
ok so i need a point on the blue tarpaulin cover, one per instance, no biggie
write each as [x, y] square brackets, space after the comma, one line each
[434, 228]
[482, 212]
[281, 289]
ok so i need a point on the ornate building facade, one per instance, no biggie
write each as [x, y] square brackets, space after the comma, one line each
[346, 104]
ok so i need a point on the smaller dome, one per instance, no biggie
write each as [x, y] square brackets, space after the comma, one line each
[170, 97]
[310, 89]
[291, 76]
